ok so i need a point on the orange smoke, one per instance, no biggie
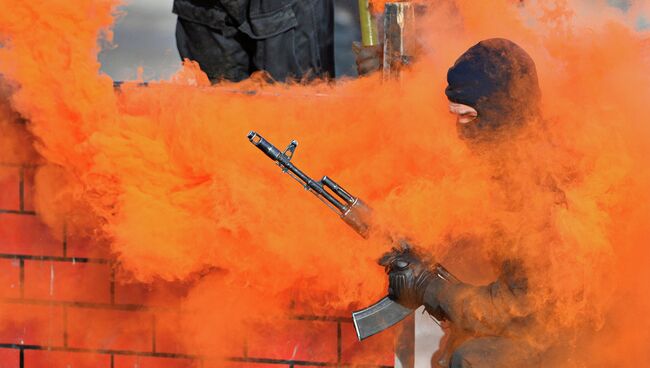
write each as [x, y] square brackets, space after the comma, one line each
[165, 174]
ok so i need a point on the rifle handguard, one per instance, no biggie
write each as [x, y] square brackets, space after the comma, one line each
[351, 209]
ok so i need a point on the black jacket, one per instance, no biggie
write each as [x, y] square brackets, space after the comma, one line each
[286, 38]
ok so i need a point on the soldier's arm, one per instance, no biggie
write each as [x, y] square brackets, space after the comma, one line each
[482, 310]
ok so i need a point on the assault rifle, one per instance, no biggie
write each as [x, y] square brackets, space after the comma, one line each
[354, 212]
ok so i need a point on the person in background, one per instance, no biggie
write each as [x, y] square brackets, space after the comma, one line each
[231, 39]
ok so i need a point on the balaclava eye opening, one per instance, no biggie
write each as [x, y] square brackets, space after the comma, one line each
[497, 78]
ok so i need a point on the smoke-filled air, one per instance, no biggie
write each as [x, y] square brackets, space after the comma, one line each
[165, 175]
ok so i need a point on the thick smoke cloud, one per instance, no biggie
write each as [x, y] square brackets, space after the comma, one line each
[165, 175]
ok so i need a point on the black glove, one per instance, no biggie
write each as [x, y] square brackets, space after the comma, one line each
[409, 274]
[369, 59]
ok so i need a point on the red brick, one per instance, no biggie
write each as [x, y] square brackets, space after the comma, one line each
[125, 361]
[9, 358]
[295, 340]
[9, 278]
[131, 293]
[186, 333]
[28, 188]
[377, 349]
[9, 188]
[86, 247]
[26, 234]
[64, 359]
[110, 329]
[84, 282]
[318, 306]
[169, 334]
[31, 324]
[158, 293]
[226, 364]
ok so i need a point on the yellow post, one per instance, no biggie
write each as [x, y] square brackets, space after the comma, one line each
[368, 26]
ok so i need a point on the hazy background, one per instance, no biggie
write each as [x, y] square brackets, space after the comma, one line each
[144, 36]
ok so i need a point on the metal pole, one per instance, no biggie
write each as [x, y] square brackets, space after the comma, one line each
[399, 37]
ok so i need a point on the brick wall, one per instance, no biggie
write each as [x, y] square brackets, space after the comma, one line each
[60, 306]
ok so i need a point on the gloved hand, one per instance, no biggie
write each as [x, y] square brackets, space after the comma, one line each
[409, 274]
[369, 59]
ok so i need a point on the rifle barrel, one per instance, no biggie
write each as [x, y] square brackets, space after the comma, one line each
[285, 163]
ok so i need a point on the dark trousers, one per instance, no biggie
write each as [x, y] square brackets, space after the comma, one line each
[494, 352]
[287, 39]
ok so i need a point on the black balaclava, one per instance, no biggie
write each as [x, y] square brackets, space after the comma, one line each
[498, 79]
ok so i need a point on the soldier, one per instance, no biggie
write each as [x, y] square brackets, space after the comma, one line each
[231, 39]
[493, 91]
